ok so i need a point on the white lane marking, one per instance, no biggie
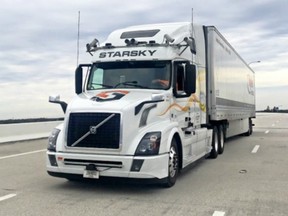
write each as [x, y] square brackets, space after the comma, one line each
[255, 149]
[25, 153]
[266, 132]
[7, 197]
[218, 213]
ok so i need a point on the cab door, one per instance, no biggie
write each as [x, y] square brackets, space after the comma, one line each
[182, 105]
[184, 81]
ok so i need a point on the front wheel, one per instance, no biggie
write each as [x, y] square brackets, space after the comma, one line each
[173, 165]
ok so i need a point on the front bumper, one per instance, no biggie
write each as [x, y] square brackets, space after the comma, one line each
[148, 167]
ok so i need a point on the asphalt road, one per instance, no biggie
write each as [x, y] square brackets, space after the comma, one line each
[250, 178]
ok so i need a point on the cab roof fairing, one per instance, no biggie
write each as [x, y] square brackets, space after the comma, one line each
[176, 30]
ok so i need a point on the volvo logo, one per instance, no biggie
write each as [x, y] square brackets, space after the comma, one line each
[93, 129]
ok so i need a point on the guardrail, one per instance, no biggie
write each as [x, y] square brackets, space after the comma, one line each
[26, 131]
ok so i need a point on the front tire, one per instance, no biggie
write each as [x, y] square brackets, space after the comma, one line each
[173, 165]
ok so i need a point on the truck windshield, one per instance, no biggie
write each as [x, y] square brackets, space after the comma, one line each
[136, 74]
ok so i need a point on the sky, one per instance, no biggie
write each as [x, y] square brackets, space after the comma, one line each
[38, 43]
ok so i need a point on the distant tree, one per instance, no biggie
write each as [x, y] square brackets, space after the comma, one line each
[275, 109]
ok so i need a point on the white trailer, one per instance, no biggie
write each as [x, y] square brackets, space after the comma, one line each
[155, 99]
[231, 87]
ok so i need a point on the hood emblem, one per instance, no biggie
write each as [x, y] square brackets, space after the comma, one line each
[93, 129]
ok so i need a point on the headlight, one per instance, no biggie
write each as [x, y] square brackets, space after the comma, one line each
[52, 140]
[149, 145]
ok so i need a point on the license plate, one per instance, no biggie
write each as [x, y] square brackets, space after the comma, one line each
[94, 174]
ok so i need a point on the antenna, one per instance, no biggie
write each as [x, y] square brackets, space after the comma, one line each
[192, 32]
[78, 38]
[192, 21]
[192, 17]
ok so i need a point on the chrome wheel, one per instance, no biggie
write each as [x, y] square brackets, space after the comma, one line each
[173, 165]
[173, 162]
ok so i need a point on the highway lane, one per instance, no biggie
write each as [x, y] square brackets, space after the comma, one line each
[250, 178]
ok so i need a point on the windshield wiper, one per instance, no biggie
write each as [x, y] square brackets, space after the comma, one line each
[130, 83]
[103, 85]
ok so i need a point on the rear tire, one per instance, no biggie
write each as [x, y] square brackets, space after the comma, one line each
[215, 143]
[221, 139]
[173, 165]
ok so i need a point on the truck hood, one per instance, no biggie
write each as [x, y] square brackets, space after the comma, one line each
[110, 100]
[136, 110]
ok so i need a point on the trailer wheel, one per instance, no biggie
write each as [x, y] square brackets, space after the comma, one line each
[215, 143]
[173, 165]
[221, 139]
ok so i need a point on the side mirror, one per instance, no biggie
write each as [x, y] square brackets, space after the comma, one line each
[56, 99]
[78, 80]
[157, 97]
[190, 79]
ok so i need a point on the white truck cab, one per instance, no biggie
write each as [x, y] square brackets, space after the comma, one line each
[141, 108]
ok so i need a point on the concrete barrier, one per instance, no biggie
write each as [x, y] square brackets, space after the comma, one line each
[26, 131]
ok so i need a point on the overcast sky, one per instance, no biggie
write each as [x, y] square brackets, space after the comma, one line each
[38, 41]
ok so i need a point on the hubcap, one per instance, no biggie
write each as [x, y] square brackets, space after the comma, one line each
[173, 162]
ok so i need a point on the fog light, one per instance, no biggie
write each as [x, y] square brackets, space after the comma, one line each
[136, 165]
[52, 160]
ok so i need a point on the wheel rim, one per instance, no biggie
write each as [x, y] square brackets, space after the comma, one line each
[173, 162]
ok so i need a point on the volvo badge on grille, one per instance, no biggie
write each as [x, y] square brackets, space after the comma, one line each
[93, 129]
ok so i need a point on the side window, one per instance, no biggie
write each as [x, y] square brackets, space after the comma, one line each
[179, 84]
[180, 78]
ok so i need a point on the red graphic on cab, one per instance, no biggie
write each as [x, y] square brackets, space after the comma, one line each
[109, 95]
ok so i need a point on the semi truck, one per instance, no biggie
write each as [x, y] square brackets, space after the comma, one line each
[154, 99]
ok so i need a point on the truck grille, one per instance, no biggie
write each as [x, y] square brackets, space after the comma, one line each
[107, 135]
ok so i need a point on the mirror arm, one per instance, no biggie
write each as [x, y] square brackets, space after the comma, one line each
[56, 100]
